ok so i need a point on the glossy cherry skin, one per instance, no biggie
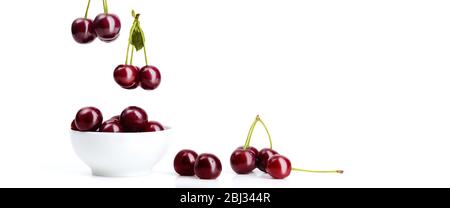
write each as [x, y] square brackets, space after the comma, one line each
[115, 118]
[263, 157]
[111, 126]
[153, 126]
[184, 162]
[279, 167]
[243, 161]
[88, 119]
[126, 76]
[150, 77]
[207, 166]
[133, 119]
[252, 149]
[107, 27]
[83, 31]
[73, 126]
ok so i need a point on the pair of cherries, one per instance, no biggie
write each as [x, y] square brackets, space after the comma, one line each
[245, 159]
[204, 166]
[130, 77]
[132, 119]
[106, 27]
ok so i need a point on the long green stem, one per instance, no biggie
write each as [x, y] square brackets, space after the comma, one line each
[145, 54]
[132, 54]
[267, 131]
[128, 50]
[105, 6]
[318, 171]
[250, 132]
[87, 10]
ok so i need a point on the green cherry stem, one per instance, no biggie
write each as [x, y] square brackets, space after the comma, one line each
[132, 54]
[105, 6]
[267, 131]
[128, 50]
[250, 132]
[318, 171]
[145, 54]
[87, 10]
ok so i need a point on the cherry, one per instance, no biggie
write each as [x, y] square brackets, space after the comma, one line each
[252, 149]
[88, 119]
[107, 26]
[114, 118]
[150, 77]
[83, 30]
[263, 157]
[184, 162]
[133, 119]
[279, 167]
[207, 166]
[73, 126]
[243, 161]
[126, 76]
[111, 126]
[153, 126]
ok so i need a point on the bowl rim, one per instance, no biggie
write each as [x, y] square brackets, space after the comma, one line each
[166, 129]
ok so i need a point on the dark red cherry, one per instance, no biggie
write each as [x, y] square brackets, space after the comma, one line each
[263, 157]
[83, 30]
[152, 126]
[150, 77]
[243, 161]
[107, 27]
[279, 167]
[126, 76]
[111, 126]
[252, 149]
[73, 126]
[133, 119]
[115, 118]
[88, 119]
[207, 166]
[184, 162]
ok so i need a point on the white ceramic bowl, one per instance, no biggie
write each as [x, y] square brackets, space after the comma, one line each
[120, 154]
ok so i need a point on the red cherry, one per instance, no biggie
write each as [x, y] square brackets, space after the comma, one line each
[153, 126]
[184, 162]
[279, 167]
[83, 30]
[207, 166]
[263, 157]
[88, 119]
[114, 118]
[111, 126]
[73, 126]
[150, 77]
[133, 119]
[107, 27]
[243, 161]
[127, 76]
[252, 149]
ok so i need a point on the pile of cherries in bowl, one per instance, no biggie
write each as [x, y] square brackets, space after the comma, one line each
[132, 119]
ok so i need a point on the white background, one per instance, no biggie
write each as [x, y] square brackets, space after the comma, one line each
[354, 84]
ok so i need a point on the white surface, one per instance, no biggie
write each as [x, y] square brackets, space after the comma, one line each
[354, 84]
[120, 154]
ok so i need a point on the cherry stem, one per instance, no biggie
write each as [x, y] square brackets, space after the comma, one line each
[87, 10]
[318, 171]
[250, 132]
[128, 50]
[145, 54]
[267, 131]
[132, 54]
[105, 6]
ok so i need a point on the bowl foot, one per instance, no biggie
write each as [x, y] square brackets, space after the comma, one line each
[108, 173]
